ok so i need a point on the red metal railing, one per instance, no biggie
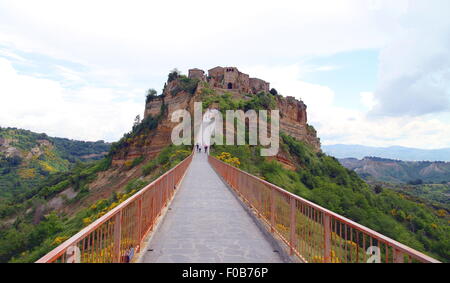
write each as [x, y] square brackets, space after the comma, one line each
[313, 233]
[117, 236]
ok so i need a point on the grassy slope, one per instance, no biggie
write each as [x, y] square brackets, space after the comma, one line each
[22, 173]
[27, 242]
[321, 179]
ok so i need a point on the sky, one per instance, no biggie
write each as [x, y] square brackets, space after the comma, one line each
[371, 72]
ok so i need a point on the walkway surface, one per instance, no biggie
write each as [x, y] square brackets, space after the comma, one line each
[206, 223]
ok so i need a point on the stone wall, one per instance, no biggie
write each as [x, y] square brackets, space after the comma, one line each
[196, 74]
[232, 78]
[257, 85]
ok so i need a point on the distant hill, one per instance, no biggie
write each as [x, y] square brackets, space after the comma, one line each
[396, 171]
[26, 158]
[393, 152]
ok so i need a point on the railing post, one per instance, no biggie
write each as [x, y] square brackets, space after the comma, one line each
[117, 236]
[139, 222]
[398, 256]
[272, 210]
[326, 238]
[293, 226]
[174, 183]
[160, 199]
[166, 191]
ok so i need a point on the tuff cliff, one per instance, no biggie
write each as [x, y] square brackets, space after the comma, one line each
[181, 92]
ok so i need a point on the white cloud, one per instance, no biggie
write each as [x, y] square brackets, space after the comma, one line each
[341, 125]
[156, 36]
[368, 100]
[414, 68]
[126, 47]
[8, 54]
[44, 105]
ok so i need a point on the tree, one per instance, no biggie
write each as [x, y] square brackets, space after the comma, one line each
[415, 182]
[173, 75]
[378, 189]
[137, 120]
[151, 93]
[273, 91]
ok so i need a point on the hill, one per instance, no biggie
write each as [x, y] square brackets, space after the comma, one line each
[397, 171]
[393, 152]
[27, 158]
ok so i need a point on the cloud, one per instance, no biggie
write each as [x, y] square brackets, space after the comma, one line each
[367, 99]
[8, 54]
[155, 36]
[120, 49]
[44, 105]
[414, 68]
[354, 126]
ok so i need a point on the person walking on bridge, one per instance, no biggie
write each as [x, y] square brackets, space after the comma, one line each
[206, 149]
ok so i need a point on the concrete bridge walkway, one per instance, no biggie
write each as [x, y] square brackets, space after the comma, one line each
[206, 223]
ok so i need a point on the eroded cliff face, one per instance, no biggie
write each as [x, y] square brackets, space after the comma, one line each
[150, 145]
[293, 121]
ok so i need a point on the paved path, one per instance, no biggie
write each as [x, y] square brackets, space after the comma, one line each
[206, 223]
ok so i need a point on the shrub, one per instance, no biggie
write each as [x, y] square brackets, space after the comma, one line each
[151, 94]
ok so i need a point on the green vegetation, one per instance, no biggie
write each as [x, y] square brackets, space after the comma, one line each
[173, 75]
[139, 130]
[27, 159]
[167, 158]
[436, 195]
[273, 91]
[151, 94]
[185, 84]
[260, 101]
[24, 241]
[321, 179]
[78, 178]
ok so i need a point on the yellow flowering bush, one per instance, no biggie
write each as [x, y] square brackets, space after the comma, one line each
[87, 221]
[121, 197]
[59, 240]
[229, 159]
[282, 228]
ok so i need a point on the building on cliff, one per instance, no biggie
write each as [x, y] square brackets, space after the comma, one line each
[230, 78]
[293, 112]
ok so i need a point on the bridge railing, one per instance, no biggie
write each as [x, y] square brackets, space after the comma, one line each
[313, 233]
[117, 236]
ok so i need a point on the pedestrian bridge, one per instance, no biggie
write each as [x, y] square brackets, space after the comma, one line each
[204, 210]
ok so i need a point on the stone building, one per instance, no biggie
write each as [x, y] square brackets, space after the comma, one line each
[196, 74]
[231, 78]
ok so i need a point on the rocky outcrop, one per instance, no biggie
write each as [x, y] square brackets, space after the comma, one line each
[150, 145]
[293, 120]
